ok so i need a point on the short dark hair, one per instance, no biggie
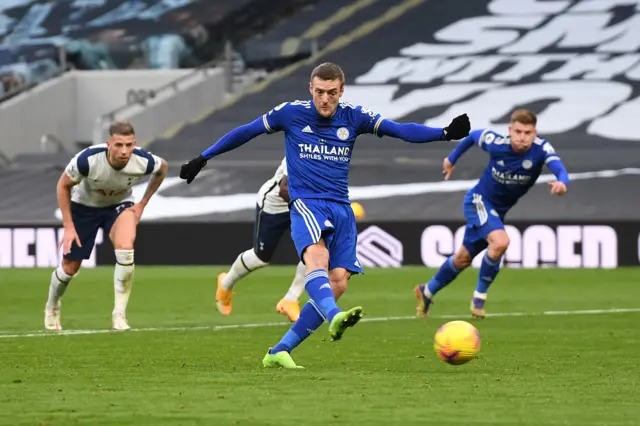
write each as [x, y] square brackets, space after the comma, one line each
[524, 116]
[328, 71]
[122, 128]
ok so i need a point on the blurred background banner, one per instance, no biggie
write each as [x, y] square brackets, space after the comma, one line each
[380, 244]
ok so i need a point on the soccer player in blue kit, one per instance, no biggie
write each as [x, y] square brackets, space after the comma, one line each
[319, 139]
[514, 166]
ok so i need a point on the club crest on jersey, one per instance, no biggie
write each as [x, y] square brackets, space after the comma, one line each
[527, 164]
[343, 133]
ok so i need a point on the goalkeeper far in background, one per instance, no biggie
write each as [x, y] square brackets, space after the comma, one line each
[319, 138]
[515, 163]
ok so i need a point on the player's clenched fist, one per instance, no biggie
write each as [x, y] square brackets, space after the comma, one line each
[558, 188]
[190, 170]
[458, 129]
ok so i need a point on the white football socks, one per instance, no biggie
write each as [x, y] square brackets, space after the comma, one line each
[122, 280]
[246, 263]
[478, 295]
[59, 282]
[297, 286]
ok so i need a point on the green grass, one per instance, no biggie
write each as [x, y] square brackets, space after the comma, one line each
[576, 369]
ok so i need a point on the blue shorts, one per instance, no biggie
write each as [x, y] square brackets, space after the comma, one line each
[482, 219]
[315, 219]
[87, 221]
[267, 231]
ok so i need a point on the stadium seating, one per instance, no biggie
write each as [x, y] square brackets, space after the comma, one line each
[423, 73]
[115, 34]
[387, 72]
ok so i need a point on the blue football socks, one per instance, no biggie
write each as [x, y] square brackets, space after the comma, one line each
[319, 289]
[310, 320]
[447, 273]
[488, 271]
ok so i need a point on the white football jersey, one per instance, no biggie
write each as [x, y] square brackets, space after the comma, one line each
[99, 184]
[269, 199]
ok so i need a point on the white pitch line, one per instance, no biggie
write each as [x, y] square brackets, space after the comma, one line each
[275, 324]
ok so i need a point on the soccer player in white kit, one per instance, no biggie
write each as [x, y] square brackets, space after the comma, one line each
[272, 220]
[95, 191]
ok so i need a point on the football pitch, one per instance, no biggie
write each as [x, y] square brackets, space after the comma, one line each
[561, 348]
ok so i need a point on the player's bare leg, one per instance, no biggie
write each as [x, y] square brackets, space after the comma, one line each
[498, 243]
[60, 279]
[289, 305]
[339, 278]
[123, 235]
[447, 273]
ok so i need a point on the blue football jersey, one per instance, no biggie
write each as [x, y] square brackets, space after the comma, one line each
[319, 149]
[509, 174]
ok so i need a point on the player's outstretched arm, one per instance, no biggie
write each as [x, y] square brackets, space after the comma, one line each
[232, 140]
[448, 165]
[464, 145]
[419, 133]
[554, 163]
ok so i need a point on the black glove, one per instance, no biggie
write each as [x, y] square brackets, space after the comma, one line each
[458, 128]
[190, 170]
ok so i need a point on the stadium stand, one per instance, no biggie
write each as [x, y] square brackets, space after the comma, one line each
[39, 40]
[581, 79]
[575, 95]
[313, 28]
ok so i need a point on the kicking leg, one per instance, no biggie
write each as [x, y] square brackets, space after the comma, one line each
[498, 243]
[310, 319]
[313, 232]
[123, 235]
[317, 284]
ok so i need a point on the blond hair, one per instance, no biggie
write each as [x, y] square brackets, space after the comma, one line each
[524, 116]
